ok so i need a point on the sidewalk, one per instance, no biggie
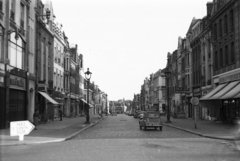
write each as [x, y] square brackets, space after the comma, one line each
[205, 128]
[54, 131]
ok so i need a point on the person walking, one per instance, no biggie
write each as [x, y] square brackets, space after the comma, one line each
[60, 113]
[35, 118]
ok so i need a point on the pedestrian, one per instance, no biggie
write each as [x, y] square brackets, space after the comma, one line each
[60, 113]
[35, 118]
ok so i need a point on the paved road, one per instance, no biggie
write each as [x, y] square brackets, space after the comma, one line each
[123, 126]
[119, 138]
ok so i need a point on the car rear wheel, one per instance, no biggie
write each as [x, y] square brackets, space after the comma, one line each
[145, 128]
[160, 128]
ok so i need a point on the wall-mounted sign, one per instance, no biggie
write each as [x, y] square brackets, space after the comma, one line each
[229, 78]
[17, 82]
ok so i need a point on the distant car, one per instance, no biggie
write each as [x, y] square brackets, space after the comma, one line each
[135, 115]
[114, 113]
[150, 119]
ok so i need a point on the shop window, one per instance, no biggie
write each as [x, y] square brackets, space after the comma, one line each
[16, 50]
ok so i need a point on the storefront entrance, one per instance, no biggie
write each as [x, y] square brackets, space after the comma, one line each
[2, 108]
[17, 105]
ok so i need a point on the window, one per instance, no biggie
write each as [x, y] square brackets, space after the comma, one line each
[221, 58]
[22, 16]
[220, 28]
[12, 10]
[226, 55]
[16, 51]
[232, 52]
[1, 5]
[225, 24]
[216, 60]
[215, 31]
[231, 19]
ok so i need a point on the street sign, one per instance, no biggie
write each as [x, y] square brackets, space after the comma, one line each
[195, 101]
[20, 128]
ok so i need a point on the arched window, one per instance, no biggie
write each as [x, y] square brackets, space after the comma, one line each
[16, 51]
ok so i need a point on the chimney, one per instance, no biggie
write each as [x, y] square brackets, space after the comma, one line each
[209, 8]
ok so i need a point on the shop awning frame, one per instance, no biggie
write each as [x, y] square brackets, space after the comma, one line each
[84, 101]
[213, 92]
[224, 90]
[232, 93]
[45, 95]
[87, 103]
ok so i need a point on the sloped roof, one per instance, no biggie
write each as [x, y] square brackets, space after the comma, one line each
[192, 23]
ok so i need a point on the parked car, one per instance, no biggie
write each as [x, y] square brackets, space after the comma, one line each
[150, 119]
[136, 114]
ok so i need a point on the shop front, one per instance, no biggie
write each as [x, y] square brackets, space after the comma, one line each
[59, 98]
[223, 101]
[17, 98]
[2, 96]
[46, 110]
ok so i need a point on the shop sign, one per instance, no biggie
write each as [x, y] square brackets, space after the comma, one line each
[229, 78]
[17, 82]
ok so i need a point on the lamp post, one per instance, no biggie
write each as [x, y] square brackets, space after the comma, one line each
[106, 105]
[88, 77]
[167, 73]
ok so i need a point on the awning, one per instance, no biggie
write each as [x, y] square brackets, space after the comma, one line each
[214, 91]
[232, 92]
[237, 96]
[84, 100]
[87, 103]
[48, 98]
[224, 90]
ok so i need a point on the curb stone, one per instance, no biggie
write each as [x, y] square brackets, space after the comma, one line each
[199, 134]
[83, 129]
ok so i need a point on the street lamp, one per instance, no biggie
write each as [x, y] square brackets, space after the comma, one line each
[88, 77]
[167, 74]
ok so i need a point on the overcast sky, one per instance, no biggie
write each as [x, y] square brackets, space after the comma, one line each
[124, 41]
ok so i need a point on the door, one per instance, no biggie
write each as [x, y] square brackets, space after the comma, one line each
[2, 108]
[17, 105]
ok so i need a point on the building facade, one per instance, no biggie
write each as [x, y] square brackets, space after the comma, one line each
[58, 75]
[223, 100]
